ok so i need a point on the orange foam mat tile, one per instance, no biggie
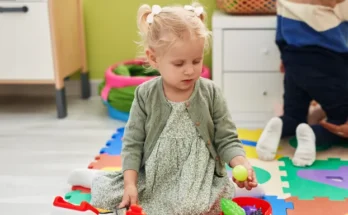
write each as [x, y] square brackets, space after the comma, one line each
[104, 161]
[318, 206]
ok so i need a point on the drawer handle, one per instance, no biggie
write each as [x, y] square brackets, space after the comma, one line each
[23, 9]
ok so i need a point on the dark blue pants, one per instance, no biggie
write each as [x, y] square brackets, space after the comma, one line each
[313, 73]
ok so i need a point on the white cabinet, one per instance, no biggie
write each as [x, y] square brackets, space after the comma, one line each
[250, 50]
[42, 42]
[25, 42]
[246, 64]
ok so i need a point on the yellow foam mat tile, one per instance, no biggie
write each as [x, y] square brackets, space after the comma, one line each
[248, 134]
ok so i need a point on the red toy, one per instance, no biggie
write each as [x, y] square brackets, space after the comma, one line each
[258, 203]
[135, 210]
[62, 207]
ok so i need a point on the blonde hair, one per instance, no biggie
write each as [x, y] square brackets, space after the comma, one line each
[171, 24]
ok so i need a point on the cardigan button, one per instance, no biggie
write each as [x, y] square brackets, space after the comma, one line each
[208, 142]
[187, 104]
[217, 158]
[198, 123]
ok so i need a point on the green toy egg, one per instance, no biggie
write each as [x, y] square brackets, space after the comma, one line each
[229, 207]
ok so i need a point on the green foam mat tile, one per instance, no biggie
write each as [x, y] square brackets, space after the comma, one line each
[293, 143]
[308, 189]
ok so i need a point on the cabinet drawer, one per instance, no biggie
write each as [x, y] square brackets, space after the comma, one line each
[250, 50]
[25, 43]
[253, 92]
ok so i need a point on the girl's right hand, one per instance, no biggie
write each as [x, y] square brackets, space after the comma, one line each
[130, 196]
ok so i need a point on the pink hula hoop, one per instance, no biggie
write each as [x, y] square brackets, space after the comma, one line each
[118, 81]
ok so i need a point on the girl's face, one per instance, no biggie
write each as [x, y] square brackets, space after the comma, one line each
[181, 65]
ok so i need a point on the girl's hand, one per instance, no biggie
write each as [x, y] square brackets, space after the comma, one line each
[130, 196]
[251, 181]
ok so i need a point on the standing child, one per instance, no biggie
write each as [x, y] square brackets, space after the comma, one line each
[180, 134]
[312, 36]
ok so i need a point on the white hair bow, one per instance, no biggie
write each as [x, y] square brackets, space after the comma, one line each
[156, 9]
[197, 10]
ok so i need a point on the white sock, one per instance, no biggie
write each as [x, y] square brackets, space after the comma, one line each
[305, 152]
[83, 177]
[267, 145]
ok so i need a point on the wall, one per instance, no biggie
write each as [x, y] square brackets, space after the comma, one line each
[111, 30]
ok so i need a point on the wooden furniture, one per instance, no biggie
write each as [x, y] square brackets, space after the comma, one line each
[246, 65]
[42, 42]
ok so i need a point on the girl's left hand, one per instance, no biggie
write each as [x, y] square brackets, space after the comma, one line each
[251, 181]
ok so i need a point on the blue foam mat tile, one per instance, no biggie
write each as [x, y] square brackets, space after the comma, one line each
[279, 206]
[120, 130]
[117, 142]
[111, 150]
[114, 145]
[118, 134]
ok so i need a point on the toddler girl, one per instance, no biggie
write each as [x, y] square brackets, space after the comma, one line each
[179, 134]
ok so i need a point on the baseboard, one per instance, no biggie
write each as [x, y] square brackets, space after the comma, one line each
[72, 88]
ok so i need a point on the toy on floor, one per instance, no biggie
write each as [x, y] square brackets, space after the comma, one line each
[135, 210]
[252, 210]
[61, 207]
[245, 206]
[240, 173]
[229, 207]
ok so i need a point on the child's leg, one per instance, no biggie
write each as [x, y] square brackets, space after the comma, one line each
[106, 187]
[296, 103]
[83, 177]
[325, 138]
[333, 97]
[329, 87]
[324, 75]
[306, 148]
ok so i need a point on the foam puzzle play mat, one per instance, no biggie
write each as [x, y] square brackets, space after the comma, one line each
[321, 189]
